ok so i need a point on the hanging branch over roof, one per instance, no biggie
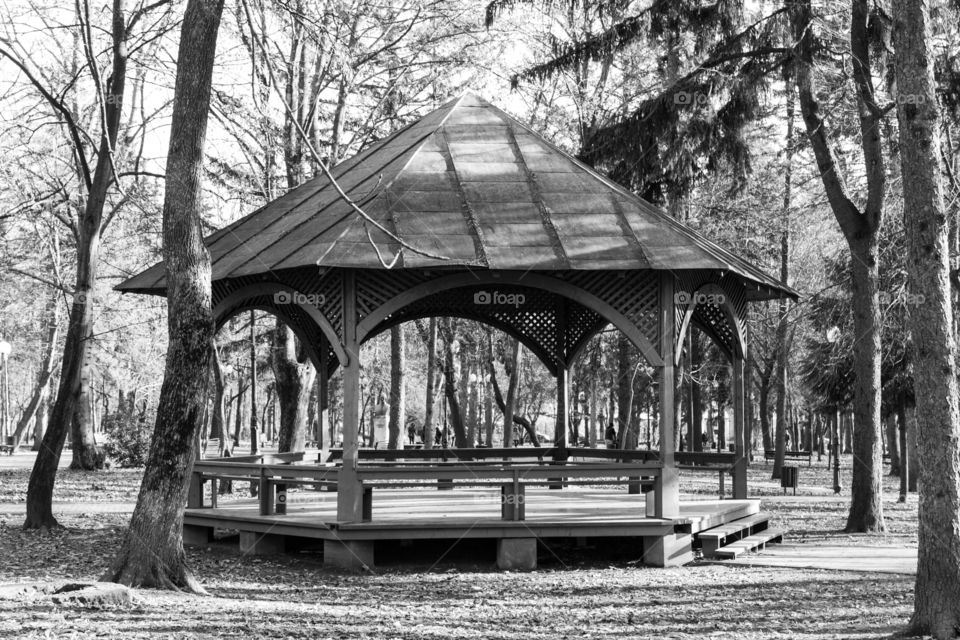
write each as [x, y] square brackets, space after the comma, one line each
[367, 219]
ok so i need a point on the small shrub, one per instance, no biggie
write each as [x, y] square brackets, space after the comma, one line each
[128, 438]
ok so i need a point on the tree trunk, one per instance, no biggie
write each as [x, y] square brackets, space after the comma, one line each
[913, 449]
[428, 413]
[42, 419]
[41, 390]
[398, 393]
[866, 505]
[514, 365]
[516, 359]
[254, 436]
[80, 327]
[624, 372]
[783, 339]
[893, 442]
[86, 454]
[450, 387]
[860, 229]
[218, 423]
[696, 400]
[937, 591]
[151, 554]
[294, 385]
[238, 416]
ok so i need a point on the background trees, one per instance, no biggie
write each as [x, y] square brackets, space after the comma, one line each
[686, 103]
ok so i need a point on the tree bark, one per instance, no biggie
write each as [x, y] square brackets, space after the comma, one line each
[516, 359]
[86, 454]
[151, 554]
[254, 436]
[937, 592]
[218, 423]
[893, 444]
[398, 392]
[428, 414]
[294, 384]
[454, 411]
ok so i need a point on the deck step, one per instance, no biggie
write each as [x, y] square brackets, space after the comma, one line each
[750, 543]
[713, 539]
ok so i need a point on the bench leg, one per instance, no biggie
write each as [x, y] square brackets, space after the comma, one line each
[348, 554]
[517, 554]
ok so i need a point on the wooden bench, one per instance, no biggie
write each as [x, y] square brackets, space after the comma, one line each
[7, 449]
[771, 454]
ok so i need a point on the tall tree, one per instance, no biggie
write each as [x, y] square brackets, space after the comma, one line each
[937, 592]
[398, 395]
[96, 185]
[860, 226]
[151, 553]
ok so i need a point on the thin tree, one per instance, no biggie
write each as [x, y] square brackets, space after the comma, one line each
[937, 592]
[151, 554]
[398, 394]
[860, 226]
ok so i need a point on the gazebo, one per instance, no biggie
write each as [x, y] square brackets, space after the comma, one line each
[470, 213]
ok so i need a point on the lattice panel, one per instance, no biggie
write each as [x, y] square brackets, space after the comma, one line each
[532, 317]
[712, 319]
[635, 294]
[709, 320]
[295, 317]
[324, 291]
[375, 287]
[582, 324]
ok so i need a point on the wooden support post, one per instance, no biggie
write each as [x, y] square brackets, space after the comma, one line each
[513, 501]
[667, 485]
[349, 489]
[195, 491]
[741, 460]
[560, 431]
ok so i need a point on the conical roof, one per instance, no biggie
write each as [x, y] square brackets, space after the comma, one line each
[468, 185]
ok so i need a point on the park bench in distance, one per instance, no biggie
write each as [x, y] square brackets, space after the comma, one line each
[770, 454]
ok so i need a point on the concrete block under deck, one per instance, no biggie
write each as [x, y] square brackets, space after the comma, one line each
[197, 536]
[517, 554]
[348, 554]
[261, 544]
[671, 550]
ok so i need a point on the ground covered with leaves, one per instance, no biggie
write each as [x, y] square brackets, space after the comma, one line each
[421, 593]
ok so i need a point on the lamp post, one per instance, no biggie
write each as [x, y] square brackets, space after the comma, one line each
[832, 335]
[5, 349]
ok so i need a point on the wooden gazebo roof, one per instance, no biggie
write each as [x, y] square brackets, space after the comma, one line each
[471, 184]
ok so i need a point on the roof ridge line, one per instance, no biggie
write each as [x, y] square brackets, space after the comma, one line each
[473, 225]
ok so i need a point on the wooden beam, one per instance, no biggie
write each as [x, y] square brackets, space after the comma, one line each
[667, 486]
[349, 490]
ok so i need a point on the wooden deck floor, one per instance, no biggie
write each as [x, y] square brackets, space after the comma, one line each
[429, 513]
